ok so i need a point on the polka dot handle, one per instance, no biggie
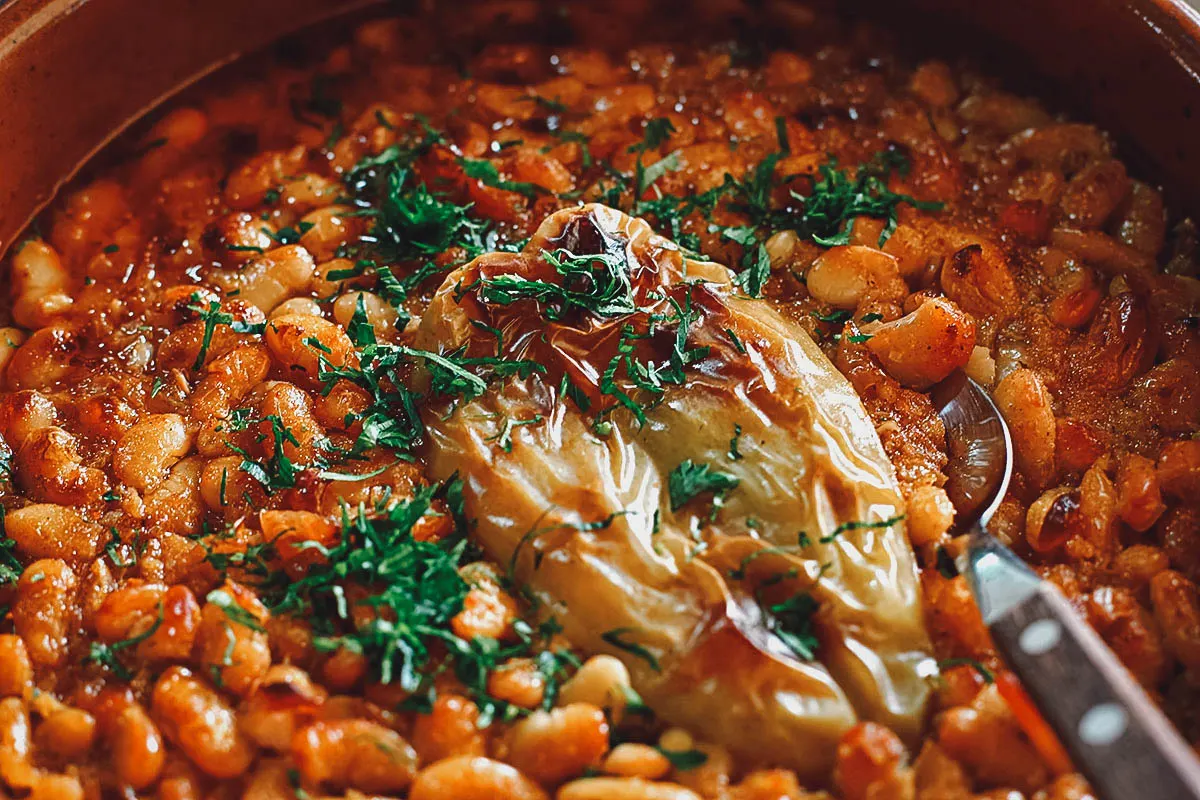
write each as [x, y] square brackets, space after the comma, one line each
[1114, 733]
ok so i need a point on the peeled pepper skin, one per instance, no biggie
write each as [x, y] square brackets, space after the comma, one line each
[679, 585]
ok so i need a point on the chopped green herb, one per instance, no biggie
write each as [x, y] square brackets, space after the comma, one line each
[857, 526]
[791, 621]
[486, 173]
[595, 283]
[684, 759]
[618, 637]
[984, 672]
[105, 654]
[734, 455]
[212, 316]
[689, 480]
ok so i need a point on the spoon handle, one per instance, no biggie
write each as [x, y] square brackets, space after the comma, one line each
[1115, 734]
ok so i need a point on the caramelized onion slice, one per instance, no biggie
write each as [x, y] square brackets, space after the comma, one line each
[683, 596]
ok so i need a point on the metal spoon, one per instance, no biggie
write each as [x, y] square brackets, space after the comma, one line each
[1114, 733]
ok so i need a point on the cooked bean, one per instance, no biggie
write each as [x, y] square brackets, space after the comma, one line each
[449, 729]
[551, 746]
[149, 449]
[1026, 404]
[44, 609]
[602, 681]
[16, 671]
[44, 360]
[289, 338]
[846, 276]
[473, 778]
[1176, 603]
[40, 285]
[197, 719]
[231, 642]
[925, 346]
[631, 760]
[623, 789]
[354, 754]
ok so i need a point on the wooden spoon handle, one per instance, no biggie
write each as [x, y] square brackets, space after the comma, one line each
[1115, 734]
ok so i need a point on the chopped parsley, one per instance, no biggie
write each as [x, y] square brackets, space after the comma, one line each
[690, 480]
[596, 283]
[105, 654]
[619, 638]
[856, 525]
[734, 454]
[486, 173]
[684, 759]
[791, 621]
[212, 316]
[984, 673]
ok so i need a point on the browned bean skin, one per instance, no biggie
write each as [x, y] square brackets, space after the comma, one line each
[130, 406]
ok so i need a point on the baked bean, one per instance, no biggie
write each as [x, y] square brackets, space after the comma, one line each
[355, 754]
[289, 338]
[56, 787]
[176, 504]
[1093, 193]
[1179, 468]
[44, 359]
[247, 185]
[331, 228]
[1142, 223]
[623, 789]
[48, 466]
[40, 285]
[137, 748]
[1176, 604]
[381, 315]
[307, 191]
[449, 729]
[1026, 404]
[978, 279]
[197, 720]
[16, 671]
[16, 744]
[488, 610]
[298, 305]
[986, 737]
[518, 681]
[231, 642]
[282, 702]
[275, 276]
[868, 758]
[228, 378]
[711, 777]
[1053, 518]
[11, 340]
[67, 732]
[1130, 631]
[44, 609]
[602, 681]
[473, 778]
[848, 275]
[552, 746]
[631, 760]
[146, 451]
[930, 515]
[1139, 501]
[925, 346]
